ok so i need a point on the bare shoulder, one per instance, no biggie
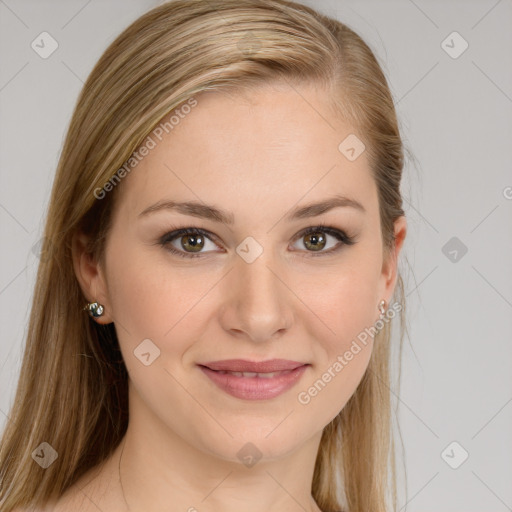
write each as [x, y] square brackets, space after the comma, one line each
[40, 508]
[67, 502]
[96, 490]
[76, 498]
[73, 499]
[93, 491]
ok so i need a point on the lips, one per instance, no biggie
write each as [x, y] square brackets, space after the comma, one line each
[252, 380]
[244, 366]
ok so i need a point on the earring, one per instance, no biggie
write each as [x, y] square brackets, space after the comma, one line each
[94, 309]
[382, 309]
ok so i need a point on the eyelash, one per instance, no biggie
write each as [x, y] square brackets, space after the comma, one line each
[336, 233]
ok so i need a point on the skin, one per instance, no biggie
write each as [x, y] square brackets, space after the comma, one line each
[257, 155]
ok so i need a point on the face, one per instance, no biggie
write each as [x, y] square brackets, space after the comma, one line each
[256, 286]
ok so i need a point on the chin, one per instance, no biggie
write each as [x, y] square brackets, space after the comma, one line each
[252, 442]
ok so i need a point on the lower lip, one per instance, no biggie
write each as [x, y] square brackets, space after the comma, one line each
[255, 388]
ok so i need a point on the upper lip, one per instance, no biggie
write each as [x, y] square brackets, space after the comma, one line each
[243, 365]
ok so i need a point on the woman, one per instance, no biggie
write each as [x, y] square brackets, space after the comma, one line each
[211, 321]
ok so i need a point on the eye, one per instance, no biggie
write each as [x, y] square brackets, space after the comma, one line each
[189, 239]
[190, 242]
[315, 239]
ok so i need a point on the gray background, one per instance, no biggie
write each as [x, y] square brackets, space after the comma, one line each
[455, 115]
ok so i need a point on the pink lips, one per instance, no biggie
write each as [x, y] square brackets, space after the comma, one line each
[275, 377]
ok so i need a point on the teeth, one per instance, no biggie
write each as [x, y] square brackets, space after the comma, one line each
[254, 374]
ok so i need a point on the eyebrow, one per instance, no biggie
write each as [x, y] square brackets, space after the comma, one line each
[197, 209]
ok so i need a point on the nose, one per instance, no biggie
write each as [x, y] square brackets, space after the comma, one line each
[257, 302]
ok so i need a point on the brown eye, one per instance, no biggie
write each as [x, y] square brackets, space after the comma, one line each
[315, 241]
[193, 243]
[316, 238]
[188, 242]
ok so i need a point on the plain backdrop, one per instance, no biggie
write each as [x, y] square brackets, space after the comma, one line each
[449, 67]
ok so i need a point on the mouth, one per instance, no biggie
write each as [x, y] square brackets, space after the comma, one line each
[245, 366]
[250, 380]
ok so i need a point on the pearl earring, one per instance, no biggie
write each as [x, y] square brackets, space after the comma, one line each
[382, 309]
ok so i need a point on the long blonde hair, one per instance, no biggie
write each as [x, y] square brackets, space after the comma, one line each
[72, 390]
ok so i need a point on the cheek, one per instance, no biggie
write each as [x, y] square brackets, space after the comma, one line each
[345, 300]
[343, 353]
[153, 298]
[149, 295]
[324, 396]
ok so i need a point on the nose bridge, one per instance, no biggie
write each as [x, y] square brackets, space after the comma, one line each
[262, 287]
[259, 302]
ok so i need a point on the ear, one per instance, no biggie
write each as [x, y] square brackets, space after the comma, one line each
[90, 276]
[390, 267]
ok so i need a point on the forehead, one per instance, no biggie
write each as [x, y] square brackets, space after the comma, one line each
[275, 143]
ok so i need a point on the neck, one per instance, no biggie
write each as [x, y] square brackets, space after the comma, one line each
[159, 470]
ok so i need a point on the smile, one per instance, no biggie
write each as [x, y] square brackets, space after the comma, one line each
[254, 374]
[254, 385]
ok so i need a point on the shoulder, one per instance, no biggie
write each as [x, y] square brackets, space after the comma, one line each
[93, 491]
[72, 499]
[32, 509]
[90, 494]
[51, 507]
